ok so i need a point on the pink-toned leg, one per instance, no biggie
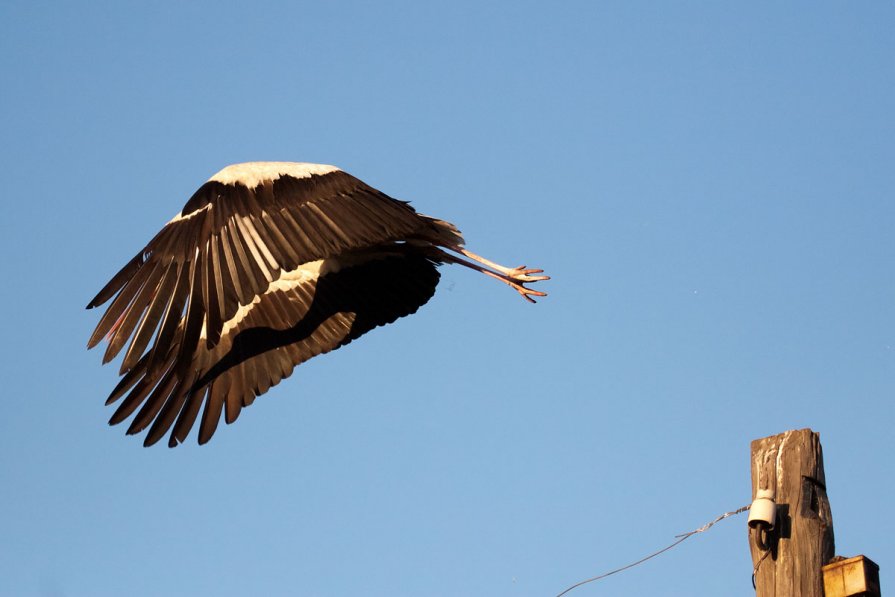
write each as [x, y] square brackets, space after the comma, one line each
[515, 278]
[520, 274]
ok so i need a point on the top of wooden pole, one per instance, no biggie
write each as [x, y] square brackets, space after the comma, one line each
[790, 465]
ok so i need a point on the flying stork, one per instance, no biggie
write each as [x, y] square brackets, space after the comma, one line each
[268, 264]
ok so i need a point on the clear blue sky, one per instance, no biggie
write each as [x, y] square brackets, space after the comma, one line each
[710, 184]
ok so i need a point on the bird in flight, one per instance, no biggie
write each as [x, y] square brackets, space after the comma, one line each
[268, 264]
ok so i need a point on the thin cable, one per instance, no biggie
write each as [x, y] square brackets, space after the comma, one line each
[758, 565]
[680, 539]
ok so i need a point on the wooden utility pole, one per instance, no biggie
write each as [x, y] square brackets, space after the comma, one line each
[791, 466]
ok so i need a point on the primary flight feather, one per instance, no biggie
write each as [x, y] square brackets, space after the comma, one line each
[268, 265]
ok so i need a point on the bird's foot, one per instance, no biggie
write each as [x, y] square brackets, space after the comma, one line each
[516, 277]
[519, 276]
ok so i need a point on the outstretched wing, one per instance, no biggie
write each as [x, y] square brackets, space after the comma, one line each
[304, 313]
[236, 235]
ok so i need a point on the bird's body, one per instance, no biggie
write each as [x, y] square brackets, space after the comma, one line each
[268, 265]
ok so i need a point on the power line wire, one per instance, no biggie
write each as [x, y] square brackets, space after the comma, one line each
[680, 539]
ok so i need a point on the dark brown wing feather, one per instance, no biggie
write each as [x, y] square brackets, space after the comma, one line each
[284, 328]
[242, 239]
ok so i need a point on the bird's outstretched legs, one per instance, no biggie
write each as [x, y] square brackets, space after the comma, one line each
[515, 277]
